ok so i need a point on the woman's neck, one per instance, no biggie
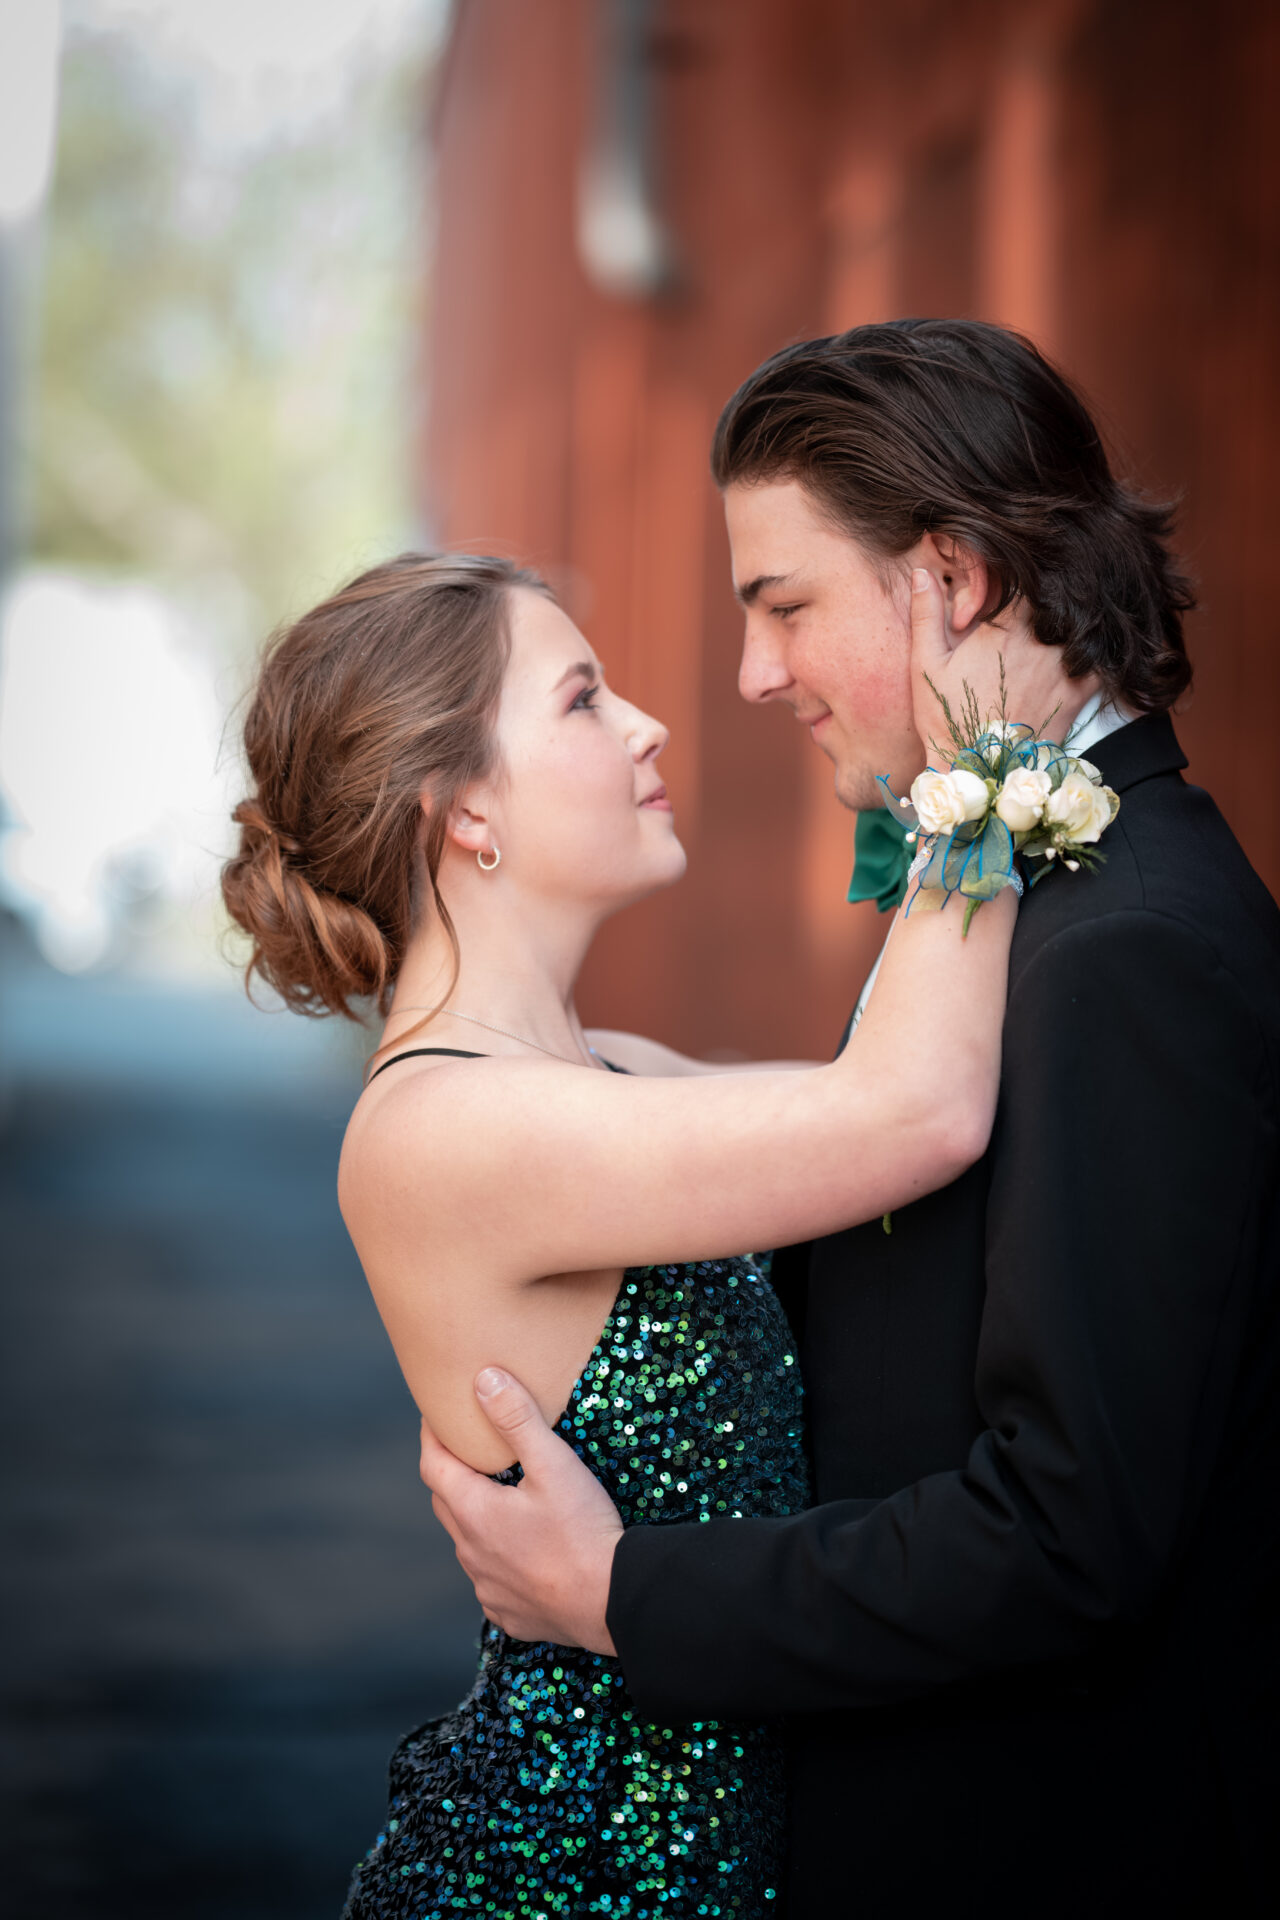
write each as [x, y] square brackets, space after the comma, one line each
[516, 978]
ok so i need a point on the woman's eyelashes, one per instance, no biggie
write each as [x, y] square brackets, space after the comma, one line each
[783, 613]
[586, 700]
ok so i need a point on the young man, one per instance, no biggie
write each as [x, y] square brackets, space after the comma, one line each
[1027, 1640]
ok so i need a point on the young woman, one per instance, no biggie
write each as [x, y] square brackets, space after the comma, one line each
[448, 801]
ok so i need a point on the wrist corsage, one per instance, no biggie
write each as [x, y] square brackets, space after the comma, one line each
[1007, 793]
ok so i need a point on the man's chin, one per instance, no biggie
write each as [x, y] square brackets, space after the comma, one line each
[856, 789]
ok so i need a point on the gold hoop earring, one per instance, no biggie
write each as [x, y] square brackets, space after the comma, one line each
[487, 866]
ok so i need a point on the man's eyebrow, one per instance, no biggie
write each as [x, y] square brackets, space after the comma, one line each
[587, 668]
[749, 594]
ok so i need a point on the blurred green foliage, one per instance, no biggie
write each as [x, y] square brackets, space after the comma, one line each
[225, 389]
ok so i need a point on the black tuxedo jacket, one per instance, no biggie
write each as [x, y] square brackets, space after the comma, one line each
[1027, 1642]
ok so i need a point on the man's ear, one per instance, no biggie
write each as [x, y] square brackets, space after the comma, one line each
[964, 578]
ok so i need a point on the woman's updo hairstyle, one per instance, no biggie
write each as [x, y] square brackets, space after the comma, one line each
[389, 686]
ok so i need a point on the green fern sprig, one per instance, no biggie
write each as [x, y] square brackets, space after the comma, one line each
[970, 726]
[958, 740]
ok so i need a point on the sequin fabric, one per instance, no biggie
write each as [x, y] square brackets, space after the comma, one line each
[544, 1794]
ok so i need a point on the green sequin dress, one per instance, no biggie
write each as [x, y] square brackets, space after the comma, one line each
[544, 1794]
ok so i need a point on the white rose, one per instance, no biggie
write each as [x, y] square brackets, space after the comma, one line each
[943, 801]
[1020, 801]
[1081, 810]
[974, 794]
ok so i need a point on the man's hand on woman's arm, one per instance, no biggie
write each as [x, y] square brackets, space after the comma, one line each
[540, 1554]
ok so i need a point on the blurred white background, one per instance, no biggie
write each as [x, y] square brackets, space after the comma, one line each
[214, 229]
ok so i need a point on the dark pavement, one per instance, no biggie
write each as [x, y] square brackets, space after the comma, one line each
[224, 1597]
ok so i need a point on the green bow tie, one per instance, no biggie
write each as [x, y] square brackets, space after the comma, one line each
[881, 857]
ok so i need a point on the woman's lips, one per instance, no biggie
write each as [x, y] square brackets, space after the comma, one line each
[816, 726]
[657, 801]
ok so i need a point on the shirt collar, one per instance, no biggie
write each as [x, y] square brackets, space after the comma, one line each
[1096, 719]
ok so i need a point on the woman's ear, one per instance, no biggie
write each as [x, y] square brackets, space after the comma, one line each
[468, 823]
[964, 578]
[469, 830]
[470, 827]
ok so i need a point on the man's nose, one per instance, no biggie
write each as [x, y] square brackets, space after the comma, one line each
[763, 672]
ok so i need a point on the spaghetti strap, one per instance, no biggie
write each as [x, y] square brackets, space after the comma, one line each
[455, 1053]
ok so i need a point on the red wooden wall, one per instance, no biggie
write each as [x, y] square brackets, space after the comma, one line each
[1100, 173]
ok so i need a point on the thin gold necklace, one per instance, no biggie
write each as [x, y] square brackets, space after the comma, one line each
[450, 1013]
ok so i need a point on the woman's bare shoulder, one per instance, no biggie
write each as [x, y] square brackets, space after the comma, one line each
[414, 1132]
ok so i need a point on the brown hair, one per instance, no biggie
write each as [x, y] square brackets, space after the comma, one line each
[959, 427]
[389, 686]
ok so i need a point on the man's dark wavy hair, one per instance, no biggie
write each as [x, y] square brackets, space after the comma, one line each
[961, 428]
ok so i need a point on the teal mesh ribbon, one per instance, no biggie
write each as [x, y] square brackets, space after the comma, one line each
[881, 857]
